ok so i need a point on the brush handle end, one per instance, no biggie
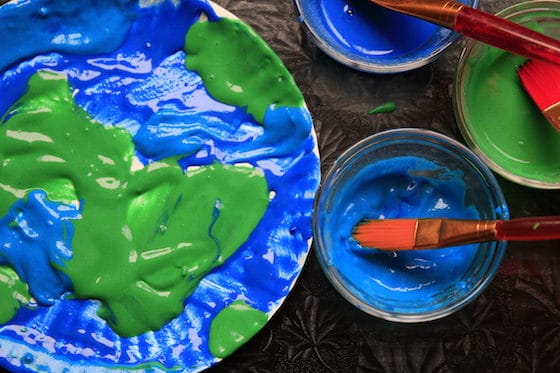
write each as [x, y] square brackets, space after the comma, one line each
[529, 229]
[506, 35]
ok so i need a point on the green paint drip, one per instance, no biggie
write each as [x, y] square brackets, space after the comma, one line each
[13, 293]
[503, 120]
[387, 107]
[233, 326]
[146, 237]
[239, 68]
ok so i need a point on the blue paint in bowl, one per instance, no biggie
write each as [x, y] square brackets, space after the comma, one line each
[370, 38]
[407, 173]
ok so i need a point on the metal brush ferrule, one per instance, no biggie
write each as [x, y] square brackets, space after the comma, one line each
[433, 233]
[440, 12]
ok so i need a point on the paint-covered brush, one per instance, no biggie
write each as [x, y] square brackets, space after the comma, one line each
[432, 233]
[481, 26]
[541, 80]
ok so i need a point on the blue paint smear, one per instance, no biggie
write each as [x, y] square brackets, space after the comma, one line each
[100, 29]
[174, 133]
[407, 282]
[36, 238]
[365, 32]
[156, 33]
[143, 86]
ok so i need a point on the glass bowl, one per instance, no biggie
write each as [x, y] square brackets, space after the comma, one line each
[497, 118]
[367, 37]
[397, 174]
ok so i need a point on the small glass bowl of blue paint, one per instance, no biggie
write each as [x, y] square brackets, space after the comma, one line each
[370, 38]
[407, 173]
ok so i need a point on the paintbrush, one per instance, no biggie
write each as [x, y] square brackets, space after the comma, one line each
[485, 27]
[432, 233]
[541, 80]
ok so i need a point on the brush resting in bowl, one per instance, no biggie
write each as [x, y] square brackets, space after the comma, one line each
[406, 173]
[387, 189]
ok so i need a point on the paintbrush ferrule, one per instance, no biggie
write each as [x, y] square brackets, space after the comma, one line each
[552, 114]
[433, 233]
[440, 12]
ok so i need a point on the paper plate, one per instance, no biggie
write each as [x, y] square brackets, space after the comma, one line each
[123, 65]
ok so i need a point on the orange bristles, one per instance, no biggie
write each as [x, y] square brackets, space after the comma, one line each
[422, 234]
[541, 81]
[397, 234]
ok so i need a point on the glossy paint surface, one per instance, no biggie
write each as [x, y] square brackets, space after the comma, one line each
[146, 126]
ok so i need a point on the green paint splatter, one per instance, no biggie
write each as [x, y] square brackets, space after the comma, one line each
[13, 293]
[387, 107]
[233, 326]
[146, 237]
[239, 68]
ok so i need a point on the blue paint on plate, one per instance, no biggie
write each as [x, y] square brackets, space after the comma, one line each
[142, 82]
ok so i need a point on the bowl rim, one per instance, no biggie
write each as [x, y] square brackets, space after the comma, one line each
[412, 133]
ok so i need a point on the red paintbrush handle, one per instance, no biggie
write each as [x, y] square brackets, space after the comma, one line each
[529, 229]
[506, 35]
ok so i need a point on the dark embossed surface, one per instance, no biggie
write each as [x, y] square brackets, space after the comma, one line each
[513, 326]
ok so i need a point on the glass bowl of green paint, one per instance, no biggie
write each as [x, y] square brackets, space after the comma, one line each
[497, 118]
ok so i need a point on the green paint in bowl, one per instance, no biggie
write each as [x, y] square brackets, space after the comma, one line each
[497, 118]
